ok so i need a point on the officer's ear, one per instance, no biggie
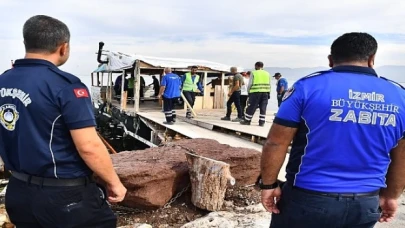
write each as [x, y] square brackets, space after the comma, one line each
[330, 61]
[64, 49]
[371, 60]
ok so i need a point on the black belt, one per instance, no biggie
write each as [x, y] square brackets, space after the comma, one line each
[43, 181]
[336, 195]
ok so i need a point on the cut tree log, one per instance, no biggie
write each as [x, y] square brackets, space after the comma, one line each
[209, 179]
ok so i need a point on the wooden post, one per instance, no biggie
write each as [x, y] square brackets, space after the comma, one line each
[206, 93]
[137, 86]
[222, 80]
[110, 87]
[112, 150]
[92, 79]
[223, 95]
[108, 91]
[102, 92]
[209, 179]
[161, 103]
[123, 99]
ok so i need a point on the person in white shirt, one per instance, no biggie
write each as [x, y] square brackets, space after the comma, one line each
[244, 91]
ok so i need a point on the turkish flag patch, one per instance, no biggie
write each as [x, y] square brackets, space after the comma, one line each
[81, 93]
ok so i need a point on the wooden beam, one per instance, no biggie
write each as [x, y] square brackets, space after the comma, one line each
[206, 94]
[188, 104]
[137, 86]
[123, 99]
[107, 144]
[110, 87]
[108, 91]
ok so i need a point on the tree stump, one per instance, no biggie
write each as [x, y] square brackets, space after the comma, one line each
[209, 179]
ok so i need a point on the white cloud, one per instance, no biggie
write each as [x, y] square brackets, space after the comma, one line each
[140, 26]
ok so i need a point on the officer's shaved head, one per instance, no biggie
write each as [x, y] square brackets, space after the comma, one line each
[168, 70]
[44, 34]
[353, 47]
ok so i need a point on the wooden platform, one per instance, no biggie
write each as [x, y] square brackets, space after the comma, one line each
[193, 131]
[211, 119]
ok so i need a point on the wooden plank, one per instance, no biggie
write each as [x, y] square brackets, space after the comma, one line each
[217, 97]
[225, 91]
[188, 105]
[198, 103]
[124, 98]
[206, 89]
[193, 131]
[208, 102]
[137, 86]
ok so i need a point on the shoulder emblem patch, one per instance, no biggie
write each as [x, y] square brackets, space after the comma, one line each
[9, 116]
[288, 93]
[81, 93]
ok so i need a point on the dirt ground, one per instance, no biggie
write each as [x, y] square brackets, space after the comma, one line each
[183, 211]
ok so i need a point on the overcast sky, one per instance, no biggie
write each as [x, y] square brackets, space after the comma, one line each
[291, 33]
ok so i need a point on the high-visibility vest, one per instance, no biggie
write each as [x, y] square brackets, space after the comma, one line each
[261, 82]
[131, 83]
[189, 85]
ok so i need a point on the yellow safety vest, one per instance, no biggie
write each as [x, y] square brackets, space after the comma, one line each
[261, 82]
[189, 85]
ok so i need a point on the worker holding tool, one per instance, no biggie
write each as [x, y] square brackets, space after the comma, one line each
[48, 138]
[190, 86]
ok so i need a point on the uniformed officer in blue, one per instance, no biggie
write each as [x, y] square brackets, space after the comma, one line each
[48, 138]
[282, 87]
[170, 92]
[347, 126]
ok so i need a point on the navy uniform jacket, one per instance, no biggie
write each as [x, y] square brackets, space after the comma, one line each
[348, 121]
[39, 105]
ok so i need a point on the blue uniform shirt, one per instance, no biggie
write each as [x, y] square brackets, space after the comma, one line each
[39, 105]
[172, 84]
[280, 83]
[348, 121]
[199, 86]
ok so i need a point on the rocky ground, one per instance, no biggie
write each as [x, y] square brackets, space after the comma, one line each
[242, 209]
[239, 200]
[239, 215]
